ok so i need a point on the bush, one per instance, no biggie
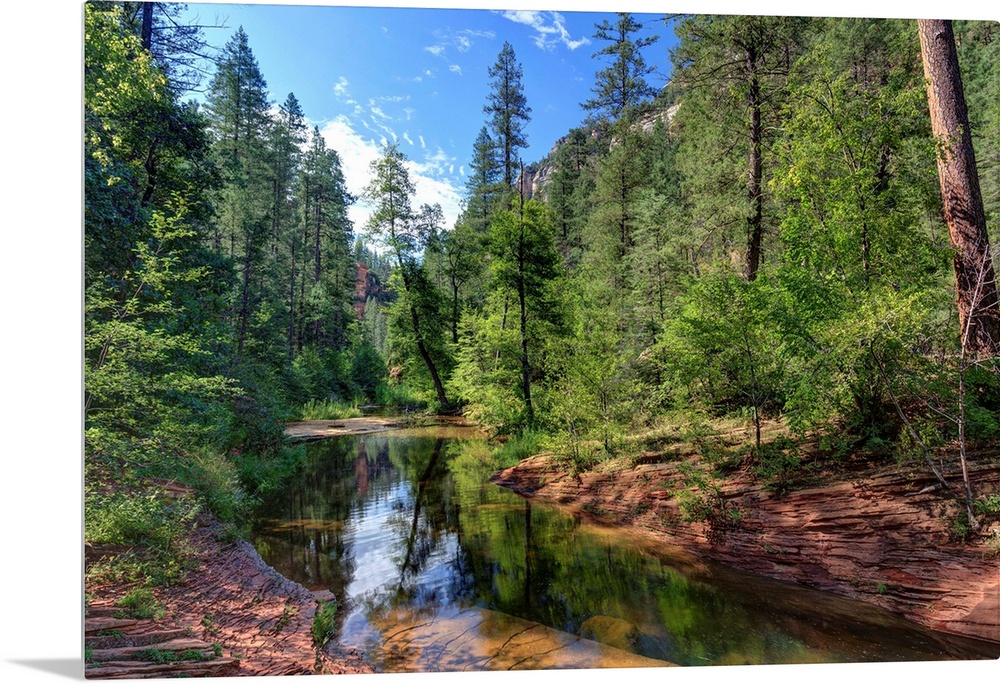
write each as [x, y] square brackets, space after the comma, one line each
[136, 519]
[777, 464]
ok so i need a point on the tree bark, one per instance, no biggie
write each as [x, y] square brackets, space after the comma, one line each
[975, 280]
[147, 26]
[421, 347]
[755, 221]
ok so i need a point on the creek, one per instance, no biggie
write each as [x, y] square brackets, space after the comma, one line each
[436, 569]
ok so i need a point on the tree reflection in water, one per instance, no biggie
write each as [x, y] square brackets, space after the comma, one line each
[424, 554]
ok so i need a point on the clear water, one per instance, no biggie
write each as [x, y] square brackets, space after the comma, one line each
[436, 569]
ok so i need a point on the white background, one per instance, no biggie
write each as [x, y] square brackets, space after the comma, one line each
[40, 343]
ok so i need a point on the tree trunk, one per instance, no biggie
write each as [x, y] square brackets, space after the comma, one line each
[421, 347]
[755, 221]
[454, 311]
[147, 26]
[975, 281]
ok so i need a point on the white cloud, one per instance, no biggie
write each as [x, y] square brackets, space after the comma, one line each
[460, 40]
[547, 35]
[357, 152]
[340, 87]
[407, 138]
[455, 69]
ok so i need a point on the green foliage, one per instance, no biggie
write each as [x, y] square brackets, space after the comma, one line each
[159, 655]
[509, 112]
[987, 505]
[260, 473]
[328, 409]
[140, 604]
[778, 463]
[518, 447]
[397, 395]
[621, 86]
[136, 519]
[324, 626]
[723, 350]
[704, 501]
[367, 372]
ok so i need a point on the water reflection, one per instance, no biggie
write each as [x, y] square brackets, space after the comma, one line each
[436, 569]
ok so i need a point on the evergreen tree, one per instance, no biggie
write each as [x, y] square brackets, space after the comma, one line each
[237, 103]
[621, 86]
[570, 190]
[505, 359]
[731, 69]
[509, 111]
[395, 226]
[483, 183]
[327, 279]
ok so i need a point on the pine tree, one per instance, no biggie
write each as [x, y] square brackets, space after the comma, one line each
[621, 86]
[508, 110]
[732, 71]
[326, 280]
[238, 104]
[975, 280]
[483, 183]
[394, 224]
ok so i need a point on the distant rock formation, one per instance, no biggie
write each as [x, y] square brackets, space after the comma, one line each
[367, 284]
[533, 180]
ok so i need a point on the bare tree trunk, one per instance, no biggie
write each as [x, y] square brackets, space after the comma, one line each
[975, 280]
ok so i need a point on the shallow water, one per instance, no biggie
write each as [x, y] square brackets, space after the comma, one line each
[436, 569]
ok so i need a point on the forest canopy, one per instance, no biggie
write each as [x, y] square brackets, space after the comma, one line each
[763, 238]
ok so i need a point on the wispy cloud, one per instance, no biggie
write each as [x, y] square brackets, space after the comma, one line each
[357, 152]
[340, 87]
[550, 28]
[455, 69]
[460, 40]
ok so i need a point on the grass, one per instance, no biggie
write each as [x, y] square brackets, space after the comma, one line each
[398, 396]
[140, 604]
[518, 448]
[328, 409]
[323, 626]
[151, 529]
[157, 655]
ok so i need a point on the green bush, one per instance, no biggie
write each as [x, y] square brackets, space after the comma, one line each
[136, 519]
[777, 465]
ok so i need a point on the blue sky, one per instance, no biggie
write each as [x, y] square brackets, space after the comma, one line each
[419, 77]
